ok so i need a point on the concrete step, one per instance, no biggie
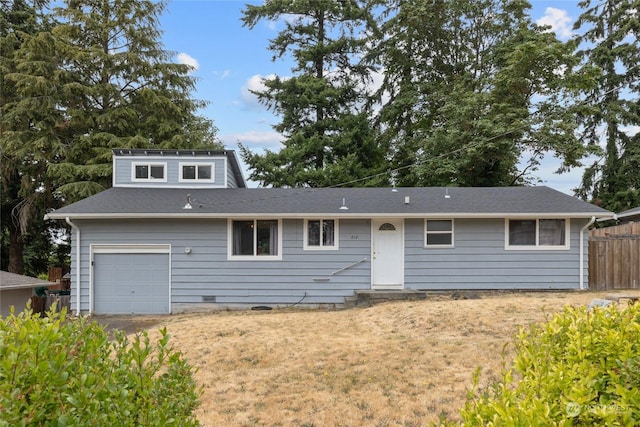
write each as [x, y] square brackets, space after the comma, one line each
[367, 298]
[350, 302]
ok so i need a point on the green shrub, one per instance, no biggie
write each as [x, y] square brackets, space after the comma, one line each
[579, 368]
[56, 371]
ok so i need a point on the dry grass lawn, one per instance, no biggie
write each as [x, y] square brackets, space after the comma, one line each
[393, 364]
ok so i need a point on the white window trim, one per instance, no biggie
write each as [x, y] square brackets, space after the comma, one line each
[232, 257]
[149, 164]
[452, 232]
[537, 247]
[181, 165]
[336, 237]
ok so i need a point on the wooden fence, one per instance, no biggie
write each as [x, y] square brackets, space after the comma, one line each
[614, 257]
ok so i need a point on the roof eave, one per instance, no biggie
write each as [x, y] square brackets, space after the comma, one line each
[201, 215]
[629, 215]
[24, 286]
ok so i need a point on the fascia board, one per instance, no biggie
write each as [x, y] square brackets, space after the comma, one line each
[23, 286]
[297, 215]
[204, 186]
[171, 155]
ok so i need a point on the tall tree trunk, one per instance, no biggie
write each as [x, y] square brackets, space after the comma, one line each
[10, 189]
[319, 68]
[16, 249]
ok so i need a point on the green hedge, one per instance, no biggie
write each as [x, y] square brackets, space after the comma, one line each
[56, 371]
[581, 367]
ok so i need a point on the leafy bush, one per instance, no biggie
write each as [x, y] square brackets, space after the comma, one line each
[581, 367]
[56, 371]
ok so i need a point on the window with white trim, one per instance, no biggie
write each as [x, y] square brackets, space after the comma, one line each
[438, 233]
[193, 172]
[537, 233]
[255, 238]
[320, 234]
[149, 171]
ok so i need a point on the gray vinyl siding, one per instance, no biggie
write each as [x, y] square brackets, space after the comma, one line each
[231, 179]
[479, 260]
[123, 171]
[207, 275]
[84, 272]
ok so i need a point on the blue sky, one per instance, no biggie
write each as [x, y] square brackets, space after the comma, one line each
[231, 59]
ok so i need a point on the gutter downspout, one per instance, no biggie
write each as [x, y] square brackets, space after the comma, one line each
[78, 252]
[582, 230]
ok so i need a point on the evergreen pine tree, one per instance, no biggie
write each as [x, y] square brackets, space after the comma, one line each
[324, 119]
[609, 43]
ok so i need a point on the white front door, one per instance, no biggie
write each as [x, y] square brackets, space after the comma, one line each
[387, 254]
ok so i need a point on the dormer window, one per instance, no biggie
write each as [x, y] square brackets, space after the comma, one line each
[151, 168]
[196, 172]
[149, 171]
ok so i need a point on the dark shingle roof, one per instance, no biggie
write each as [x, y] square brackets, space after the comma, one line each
[629, 214]
[289, 202]
[18, 281]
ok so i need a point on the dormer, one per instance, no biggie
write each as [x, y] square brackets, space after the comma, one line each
[176, 169]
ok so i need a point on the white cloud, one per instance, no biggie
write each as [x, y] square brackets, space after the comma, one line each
[222, 74]
[377, 78]
[254, 140]
[254, 83]
[184, 58]
[546, 173]
[561, 71]
[630, 130]
[283, 20]
[566, 182]
[559, 21]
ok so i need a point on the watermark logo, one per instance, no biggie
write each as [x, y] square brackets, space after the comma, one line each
[572, 409]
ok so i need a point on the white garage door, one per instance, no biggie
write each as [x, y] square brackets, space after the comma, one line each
[131, 283]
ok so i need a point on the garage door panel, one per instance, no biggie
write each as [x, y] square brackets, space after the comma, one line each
[157, 276]
[131, 283]
[140, 276]
[123, 274]
[156, 292]
[138, 290]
